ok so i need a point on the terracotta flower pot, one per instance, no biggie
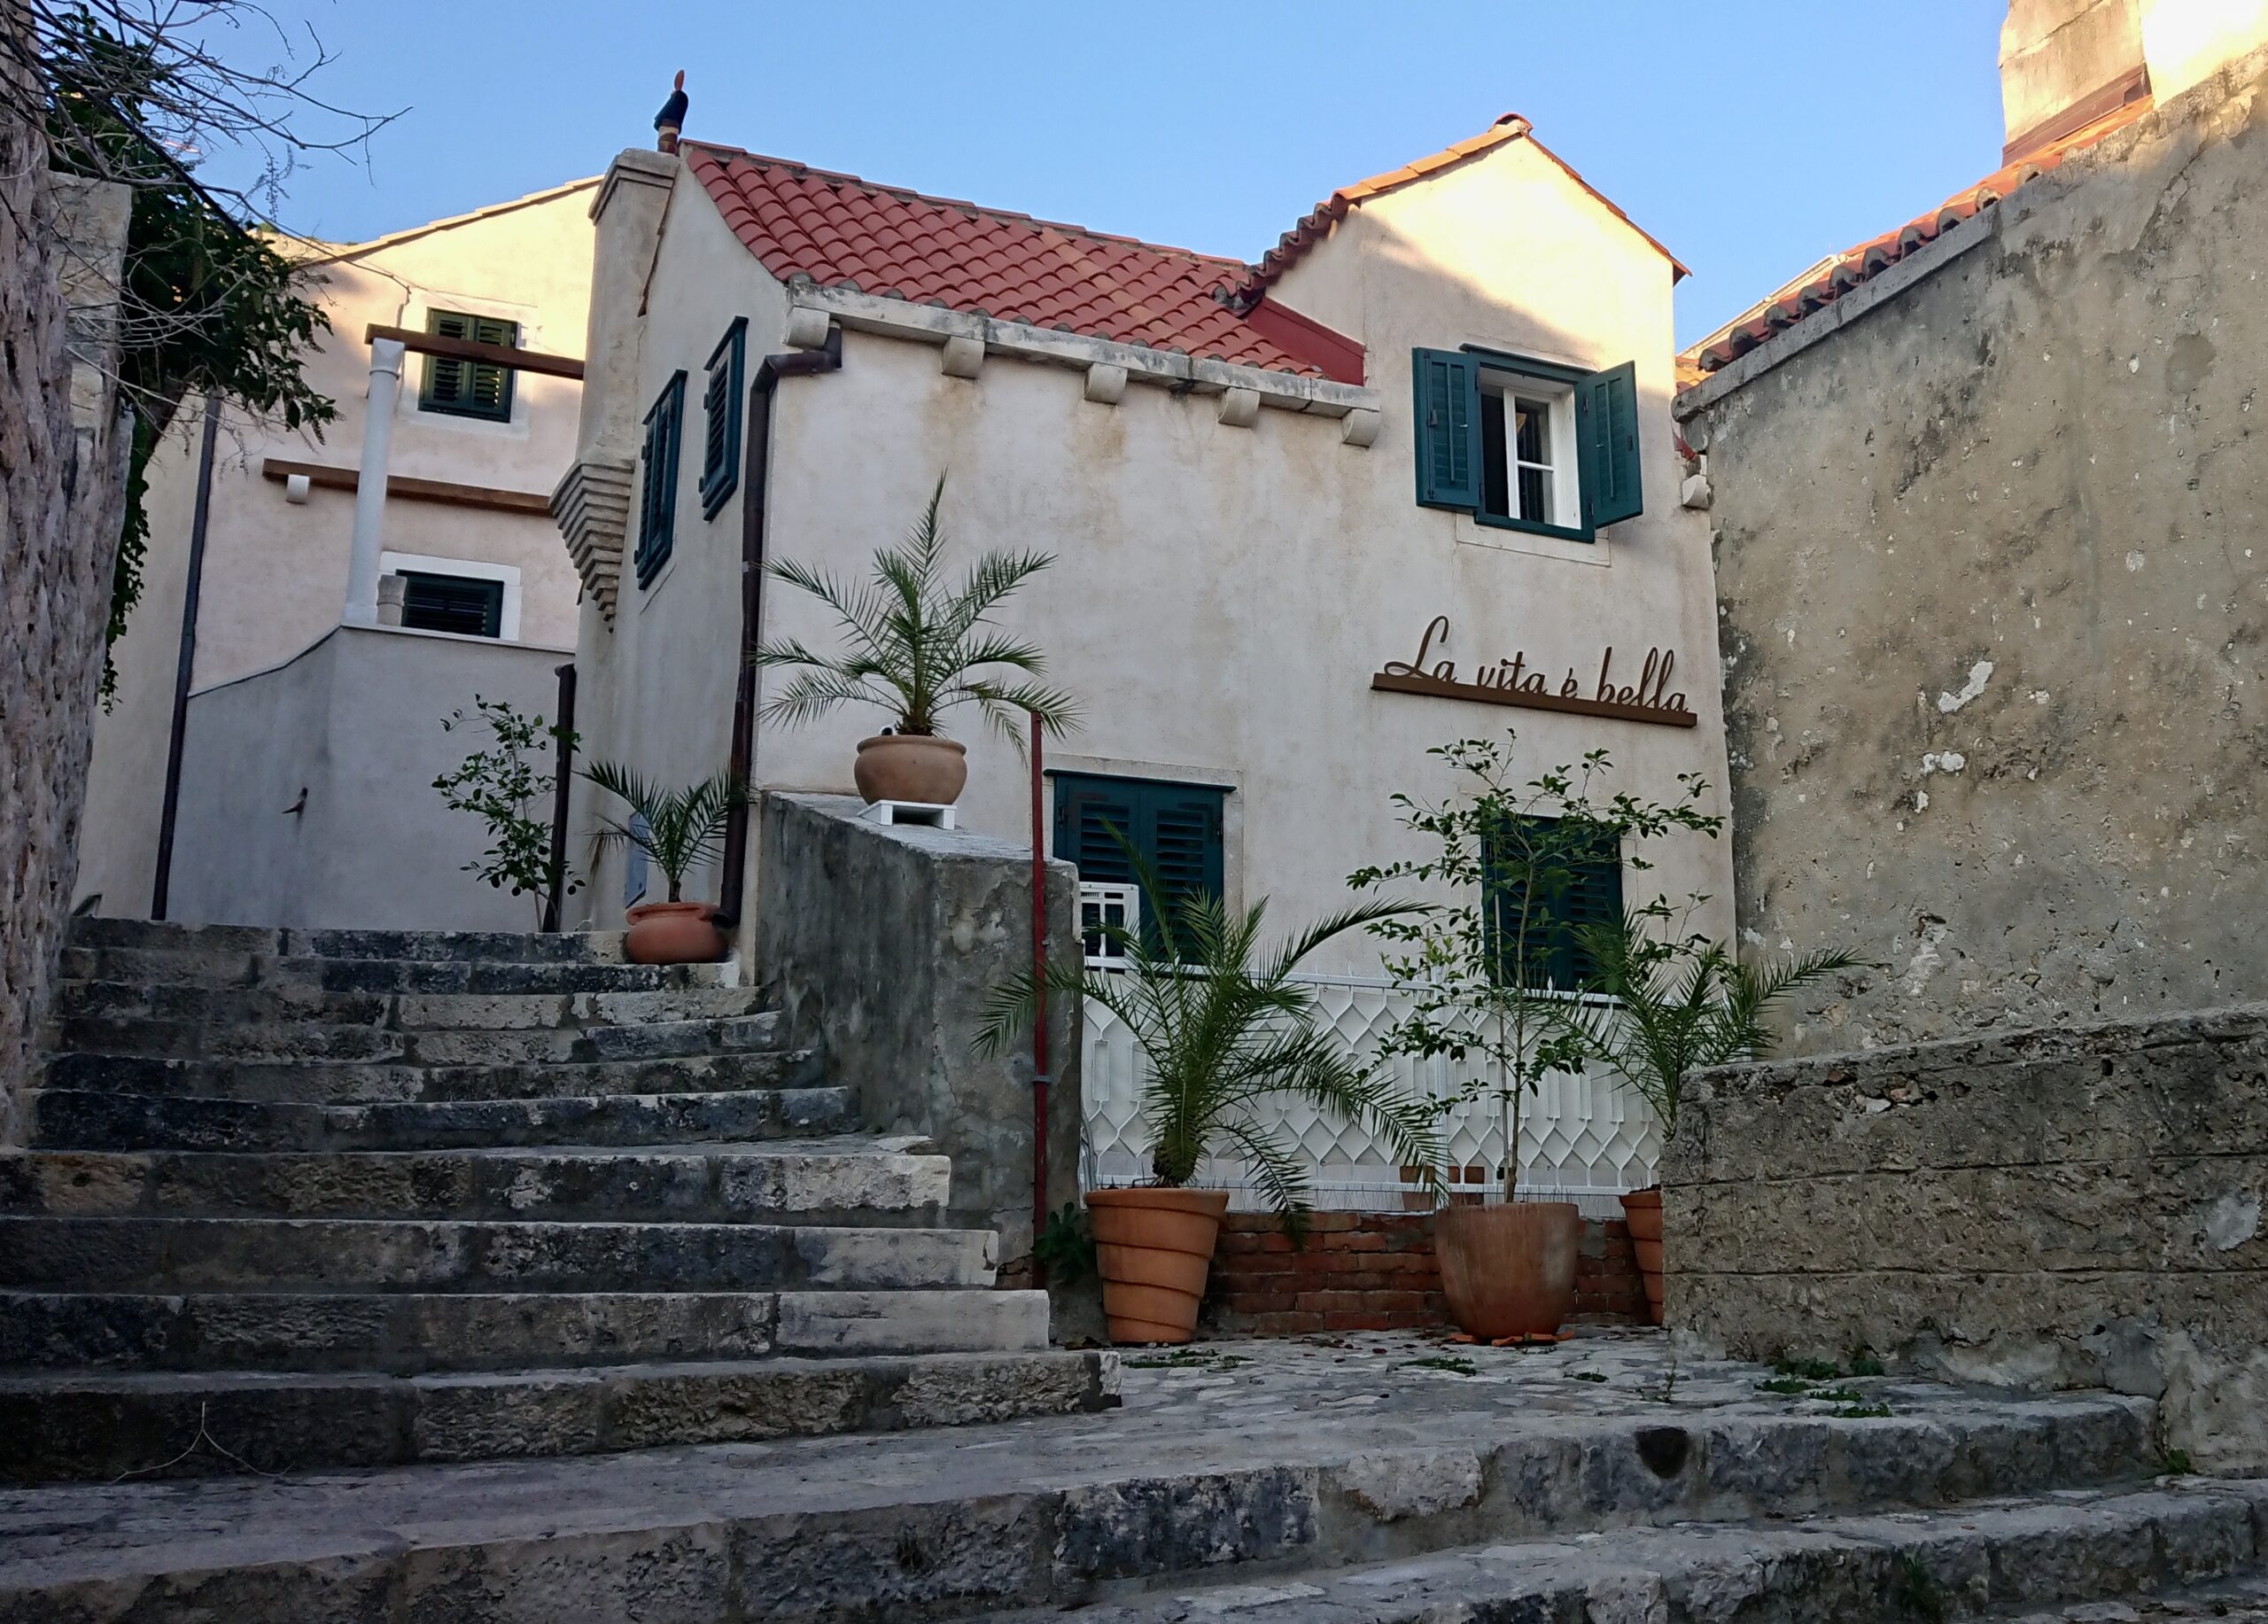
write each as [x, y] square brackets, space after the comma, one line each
[1155, 1248]
[911, 767]
[1642, 1209]
[673, 933]
[1509, 1270]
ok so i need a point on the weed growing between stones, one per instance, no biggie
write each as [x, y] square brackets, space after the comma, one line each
[1862, 1412]
[1915, 1590]
[1444, 1361]
[1589, 1376]
[1188, 1359]
[2176, 1463]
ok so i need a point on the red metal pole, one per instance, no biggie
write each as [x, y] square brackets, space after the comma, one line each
[1039, 1015]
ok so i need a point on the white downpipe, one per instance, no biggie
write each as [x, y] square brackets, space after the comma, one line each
[370, 487]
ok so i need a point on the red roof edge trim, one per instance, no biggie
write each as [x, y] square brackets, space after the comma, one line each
[1338, 357]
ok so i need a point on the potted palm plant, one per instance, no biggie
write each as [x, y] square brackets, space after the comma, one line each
[1223, 1026]
[677, 828]
[1680, 1003]
[1488, 983]
[917, 648]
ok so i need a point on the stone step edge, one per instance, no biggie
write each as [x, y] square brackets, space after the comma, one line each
[1970, 1562]
[101, 1429]
[708, 1558]
[419, 1335]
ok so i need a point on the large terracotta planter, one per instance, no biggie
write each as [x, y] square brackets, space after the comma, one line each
[1642, 1209]
[911, 767]
[1154, 1247]
[673, 933]
[1509, 1270]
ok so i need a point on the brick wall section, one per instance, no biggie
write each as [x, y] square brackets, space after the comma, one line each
[1376, 1271]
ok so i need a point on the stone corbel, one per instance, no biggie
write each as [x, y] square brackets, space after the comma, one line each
[807, 329]
[1105, 384]
[1239, 406]
[962, 357]
[1360, 426]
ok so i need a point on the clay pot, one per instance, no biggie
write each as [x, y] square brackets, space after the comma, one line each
[1153, 1247]
[673, 933]
[1642, 1209]
[911, 767]
[1509, 1270]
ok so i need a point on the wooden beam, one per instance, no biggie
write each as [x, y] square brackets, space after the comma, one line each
[465, 349]
[331, 479]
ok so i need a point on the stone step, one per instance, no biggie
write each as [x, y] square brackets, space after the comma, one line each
[520, 947]
[405, 1010]
[136, 1256]
[63, 1119]
[2092, 1551]
[410, 1334]
[57, 1428]
[802, 1181]
[81, 1038]
[300, 973]
[379, 1082]
[1190, 1494]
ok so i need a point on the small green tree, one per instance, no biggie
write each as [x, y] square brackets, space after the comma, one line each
[508, 786]
[917, 648]
[1683, 1002]
[1479, 972]
[678, 829]
[1224, 1024]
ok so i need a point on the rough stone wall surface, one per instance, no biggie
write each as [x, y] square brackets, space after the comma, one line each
[1992, 571]
[2075, 1206]
[1376, 1271]
[61, 487]
[881, 944]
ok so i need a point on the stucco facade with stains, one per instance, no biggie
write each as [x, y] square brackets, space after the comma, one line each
[1229, 578]
[1993, 585]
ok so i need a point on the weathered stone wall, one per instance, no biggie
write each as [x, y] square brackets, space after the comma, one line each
[881, 944]
[2077, 1206]
[1992, 564]
[62, 482]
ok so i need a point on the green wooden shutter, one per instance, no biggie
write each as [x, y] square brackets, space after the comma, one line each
[1446, 419]
[468, 388]
[1175, 828]
[657, 496]
[1592, 896]
[720, 403]
[1606, 438]
[1582, 888]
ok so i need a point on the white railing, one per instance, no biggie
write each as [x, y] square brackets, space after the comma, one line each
[1583, 1137]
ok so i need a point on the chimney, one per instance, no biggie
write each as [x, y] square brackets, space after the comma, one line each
[2186, 42]
[2065, 64]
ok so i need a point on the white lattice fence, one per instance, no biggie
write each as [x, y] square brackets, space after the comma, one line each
[1583, 1136]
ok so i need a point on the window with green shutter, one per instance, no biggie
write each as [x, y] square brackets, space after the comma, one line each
[657, 494]
[1175, 828]
[721, 403]
[463, 388]
[1527, 444]
[1538, 893]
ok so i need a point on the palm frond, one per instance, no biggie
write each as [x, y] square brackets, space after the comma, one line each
[678, 829]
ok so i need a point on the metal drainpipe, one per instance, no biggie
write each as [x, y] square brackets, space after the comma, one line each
[563, 776]
[1039, 1077]
[361, 607]
[755, 482]
[185, 663]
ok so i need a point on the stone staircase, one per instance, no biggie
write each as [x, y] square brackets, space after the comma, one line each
[306, 1198]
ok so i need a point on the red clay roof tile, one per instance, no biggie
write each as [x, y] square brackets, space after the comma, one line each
[841, 231]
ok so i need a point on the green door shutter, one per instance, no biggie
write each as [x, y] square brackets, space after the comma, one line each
[1175, 828]
[1445, 417]
[468, 388]
[1606, 438]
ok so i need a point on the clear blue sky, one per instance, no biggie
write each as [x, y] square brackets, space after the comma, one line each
[1751, 138]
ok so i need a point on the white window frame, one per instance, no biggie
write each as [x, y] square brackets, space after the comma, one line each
[1557, 402]
[1114, 903]
[507, 618]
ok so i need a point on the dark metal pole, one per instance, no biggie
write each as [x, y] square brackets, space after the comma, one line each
[185, 662]
[1039, 1078]
[563, 770]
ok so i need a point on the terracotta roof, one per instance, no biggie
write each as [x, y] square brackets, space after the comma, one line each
[1317, 222]
[1836, 275]
[844, 232]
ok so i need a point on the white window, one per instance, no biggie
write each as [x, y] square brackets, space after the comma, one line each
[1100, 905]
[1527, 451]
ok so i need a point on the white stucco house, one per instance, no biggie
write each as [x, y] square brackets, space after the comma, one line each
[1434, 416]
[270, 754]
[1440, 402]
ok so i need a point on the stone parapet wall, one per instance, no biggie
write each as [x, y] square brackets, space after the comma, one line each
[2078, 1206]
[1376, 1271]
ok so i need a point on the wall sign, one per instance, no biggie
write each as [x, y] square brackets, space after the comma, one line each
[1514, 682]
